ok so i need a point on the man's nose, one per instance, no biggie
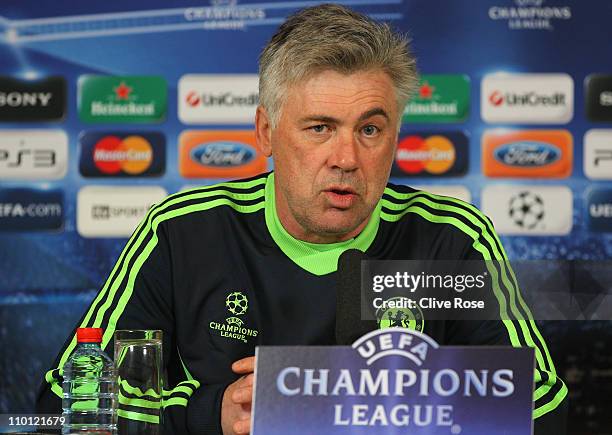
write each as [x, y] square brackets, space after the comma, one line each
[344, 151]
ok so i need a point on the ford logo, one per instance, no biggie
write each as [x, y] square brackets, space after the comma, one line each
[527, 154]
[222, 154]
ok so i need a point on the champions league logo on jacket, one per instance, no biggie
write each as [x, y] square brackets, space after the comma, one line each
[234, 327]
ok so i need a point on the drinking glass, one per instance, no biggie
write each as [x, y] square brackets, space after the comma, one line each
[138, 359]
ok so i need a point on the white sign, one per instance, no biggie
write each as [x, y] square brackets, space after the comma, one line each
[33, 154]
[527, 98]
[598, 154]
[529, 210]
[218, 98]
[114, 211]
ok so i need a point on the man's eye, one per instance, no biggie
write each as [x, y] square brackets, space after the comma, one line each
[321, 128]
[370, 130]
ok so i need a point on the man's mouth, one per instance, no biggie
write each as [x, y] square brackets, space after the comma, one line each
[341, 197]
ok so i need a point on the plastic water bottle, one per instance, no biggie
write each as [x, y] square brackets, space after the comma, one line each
[89, 388]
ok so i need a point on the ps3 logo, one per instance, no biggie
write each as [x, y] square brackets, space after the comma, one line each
[33, 154]
[527, 154]
[36, 158]
[222, 154]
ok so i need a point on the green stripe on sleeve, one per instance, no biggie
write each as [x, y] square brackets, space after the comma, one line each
[131, 415]
[411, 206]
[109, 289]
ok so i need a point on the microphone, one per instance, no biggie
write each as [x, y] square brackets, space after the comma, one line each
[349, 325]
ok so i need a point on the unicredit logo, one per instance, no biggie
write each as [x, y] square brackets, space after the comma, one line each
[532, 99]
[218, 98]
[226, 99]
[192, 99]
[496, 98]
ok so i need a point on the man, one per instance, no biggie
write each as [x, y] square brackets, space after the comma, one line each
[227, 267]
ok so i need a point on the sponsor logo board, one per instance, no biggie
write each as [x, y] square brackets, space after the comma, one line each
[32, 100]
[440, 98]
[114, 211]
[527, 98]
[218, 98]
[598, 154]
[123, 99]
[599, 210]
[527, 153]
[116, 154]
[33, 154]
[529, 210]
[431, 154]
[25, 209]
[220, 154]
[598, 97]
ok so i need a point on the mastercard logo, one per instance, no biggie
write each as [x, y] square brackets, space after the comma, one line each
[434, 154]
[131, 155]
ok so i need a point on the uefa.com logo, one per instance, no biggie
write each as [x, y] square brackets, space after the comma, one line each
[529, 210]
[527, 98]
[33, 154]
[25, 209]
[114, 211]
[218, 98]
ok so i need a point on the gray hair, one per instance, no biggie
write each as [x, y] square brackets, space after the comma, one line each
[332, 37]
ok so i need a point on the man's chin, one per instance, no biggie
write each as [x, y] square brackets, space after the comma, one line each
[340, 223]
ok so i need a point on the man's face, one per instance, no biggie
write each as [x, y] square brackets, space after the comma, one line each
[333, 148]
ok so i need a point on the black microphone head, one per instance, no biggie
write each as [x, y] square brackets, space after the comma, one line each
[349, 323]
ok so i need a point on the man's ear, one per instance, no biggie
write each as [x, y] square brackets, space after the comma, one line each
[263, 131]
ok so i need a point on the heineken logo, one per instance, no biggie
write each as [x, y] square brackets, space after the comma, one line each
[234, 327]
[440, 98]
[139, 99]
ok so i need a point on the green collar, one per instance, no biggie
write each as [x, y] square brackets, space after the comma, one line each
[316, 258]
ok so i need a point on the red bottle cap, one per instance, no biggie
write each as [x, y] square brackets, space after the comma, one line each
[89, 335]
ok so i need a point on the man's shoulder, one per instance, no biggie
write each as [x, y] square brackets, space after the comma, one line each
[403, 204]
[238, 197]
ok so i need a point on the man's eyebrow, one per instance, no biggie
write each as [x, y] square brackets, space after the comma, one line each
[331, 120]
[373, 112]
[319, 118]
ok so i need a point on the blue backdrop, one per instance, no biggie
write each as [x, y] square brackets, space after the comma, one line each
[48, 277]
